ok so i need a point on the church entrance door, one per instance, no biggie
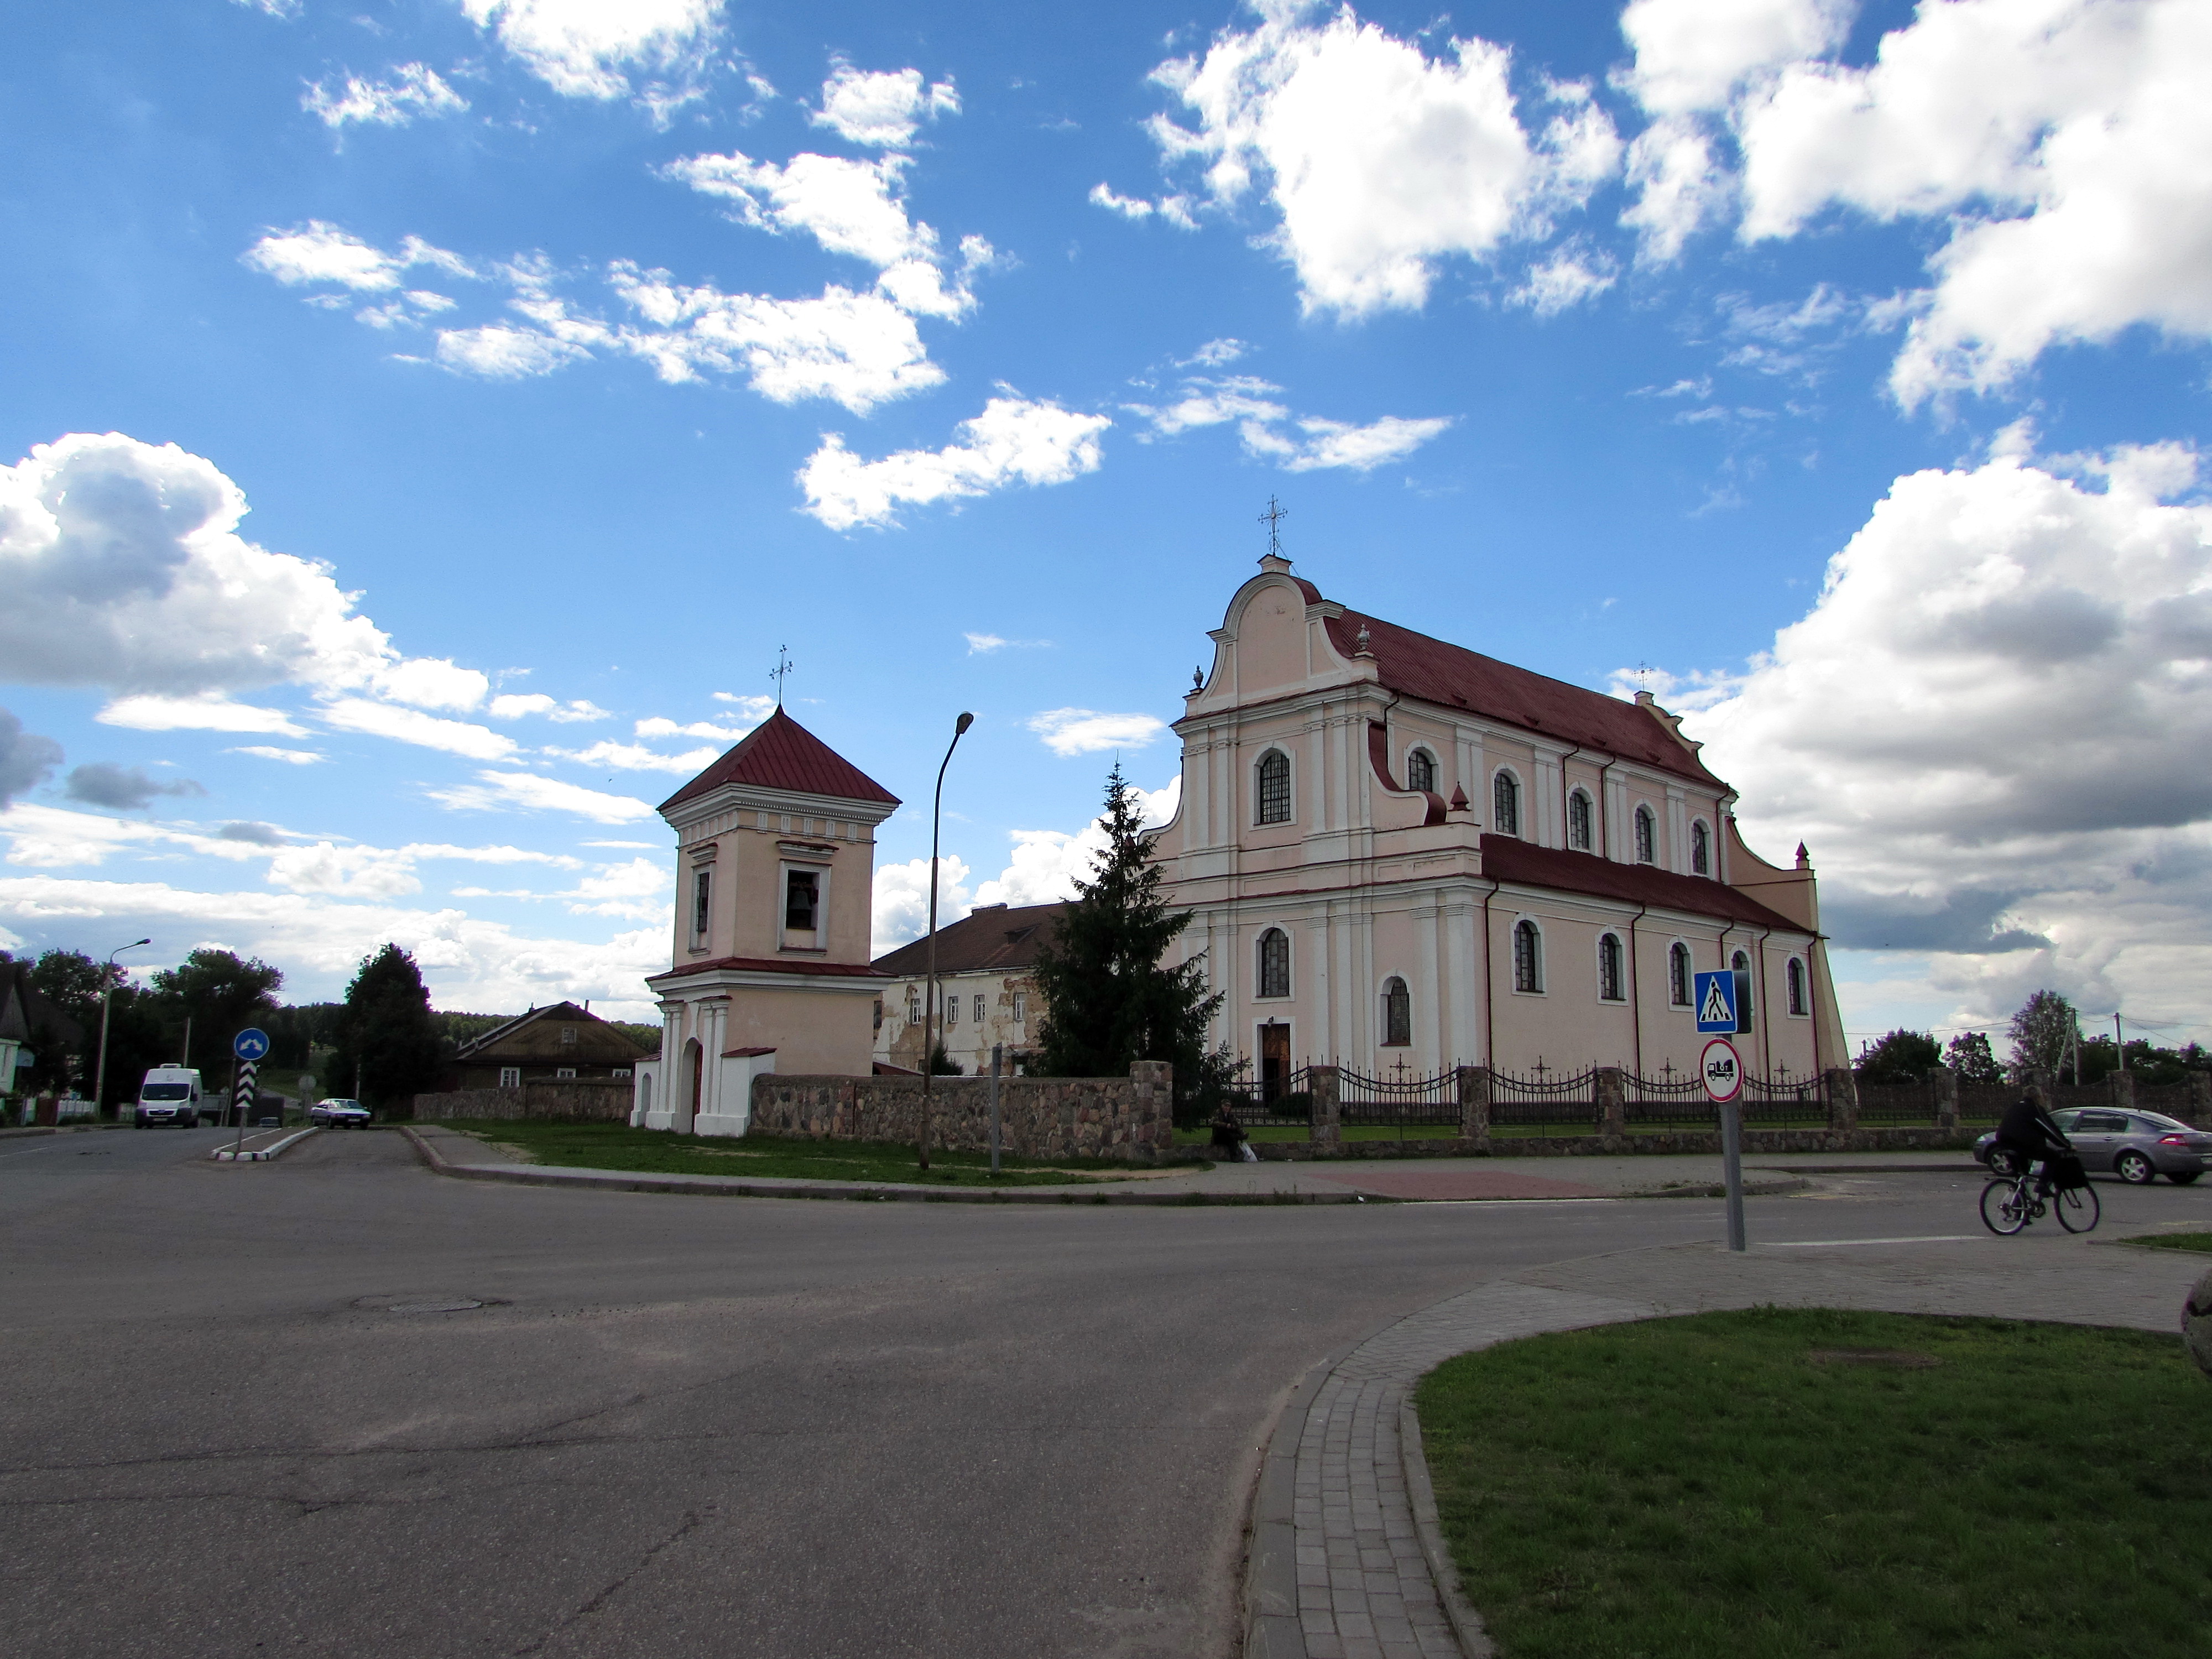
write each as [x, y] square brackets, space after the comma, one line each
[695, 1062]
[1274, 1060]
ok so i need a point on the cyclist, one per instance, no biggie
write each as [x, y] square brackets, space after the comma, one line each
[2030, 1135]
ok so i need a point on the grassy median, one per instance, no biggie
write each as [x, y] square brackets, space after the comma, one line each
[2175, 1240]
[661, 1152]
[1775, 1483]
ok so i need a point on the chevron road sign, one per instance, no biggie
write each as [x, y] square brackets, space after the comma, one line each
[243, 1095]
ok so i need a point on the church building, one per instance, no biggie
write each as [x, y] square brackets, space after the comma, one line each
[1397, 851]
[775, 850]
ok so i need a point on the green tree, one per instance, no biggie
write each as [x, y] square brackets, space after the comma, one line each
[1108, 999]
[2041, 1031]
[221, 994]
[1901, 1056]
[137, 1037]
[1970, 1057]
[942, 1064]
[387, 1036]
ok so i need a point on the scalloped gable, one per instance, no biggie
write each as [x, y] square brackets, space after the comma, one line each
[781, 754]
[1452, 677]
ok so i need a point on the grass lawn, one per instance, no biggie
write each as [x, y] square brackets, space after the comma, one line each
[2176, 1242]
[661, 1152]
[1756, 1484]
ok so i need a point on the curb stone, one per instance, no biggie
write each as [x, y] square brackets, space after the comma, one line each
[1467, 1624]
[717, 1187]
[265, 1154]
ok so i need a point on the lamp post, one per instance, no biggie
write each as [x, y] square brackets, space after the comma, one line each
[929, 1010]
[106, 986]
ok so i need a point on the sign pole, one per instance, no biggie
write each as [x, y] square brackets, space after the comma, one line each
[1732, 1158]
[997, 1050]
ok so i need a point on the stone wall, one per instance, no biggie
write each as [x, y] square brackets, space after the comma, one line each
[588, 1099]
[1130, 1118]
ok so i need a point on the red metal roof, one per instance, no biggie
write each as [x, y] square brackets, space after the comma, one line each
[781, 754]
[1453, 676]
[1508, 858]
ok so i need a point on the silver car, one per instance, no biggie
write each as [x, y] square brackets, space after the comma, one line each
[339, 1113]
[2136, 1146]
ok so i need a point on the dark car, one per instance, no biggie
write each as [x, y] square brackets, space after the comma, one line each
[339, 1113]
[2136, 1146]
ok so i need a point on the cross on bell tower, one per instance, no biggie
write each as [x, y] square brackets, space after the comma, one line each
[781, 671]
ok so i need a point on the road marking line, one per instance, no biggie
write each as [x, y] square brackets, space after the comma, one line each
[1830, 1243]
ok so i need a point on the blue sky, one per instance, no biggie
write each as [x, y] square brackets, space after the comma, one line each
[470, 397]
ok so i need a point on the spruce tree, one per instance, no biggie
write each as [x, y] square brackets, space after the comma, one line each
[388, 1034]
[1109, 998]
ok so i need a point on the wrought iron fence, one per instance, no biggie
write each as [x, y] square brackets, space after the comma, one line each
[1894, 1103]
[1401, 1100]
[1784, 1101]
[1285, 1104]
[1985, 1102]
[1544, 1101]
[1671, 1100]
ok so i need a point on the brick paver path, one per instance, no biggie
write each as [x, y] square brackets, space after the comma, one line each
[1364, 1589]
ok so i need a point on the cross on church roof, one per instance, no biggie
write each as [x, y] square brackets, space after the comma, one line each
[781, 671]
[1272, 518]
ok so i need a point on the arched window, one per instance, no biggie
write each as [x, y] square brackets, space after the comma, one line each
[1274, 787]
[1527, 958]
[1741, 964]
[1579, 835]
[1505, 804]
[1421, 771]
[1647, 837]
[1796, 987]
[1701, 849]
[1397, 1014]
[1678, 976]
[1274, 963]
[1609, 968]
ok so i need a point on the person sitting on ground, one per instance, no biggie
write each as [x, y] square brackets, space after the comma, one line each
[1228, 1132]
[2028, 1133]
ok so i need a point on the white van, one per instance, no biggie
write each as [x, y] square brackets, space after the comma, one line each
[170, 1094]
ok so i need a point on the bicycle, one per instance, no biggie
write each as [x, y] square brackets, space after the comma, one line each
[2012, 1202]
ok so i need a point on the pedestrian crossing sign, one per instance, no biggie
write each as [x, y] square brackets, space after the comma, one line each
[1721, 1004]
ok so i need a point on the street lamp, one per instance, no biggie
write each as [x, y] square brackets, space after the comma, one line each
[929, 1010]
[106, 986]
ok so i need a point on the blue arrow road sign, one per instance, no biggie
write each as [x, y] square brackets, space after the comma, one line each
[253, 1044]
[1716, 995]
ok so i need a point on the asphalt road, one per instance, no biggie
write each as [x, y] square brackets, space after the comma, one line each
[238, 1422]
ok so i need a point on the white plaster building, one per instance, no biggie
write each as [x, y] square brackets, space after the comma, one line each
[1400, 850]
[985, 995]
[775, 864]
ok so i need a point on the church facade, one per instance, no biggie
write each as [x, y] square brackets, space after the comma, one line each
[1400, 852]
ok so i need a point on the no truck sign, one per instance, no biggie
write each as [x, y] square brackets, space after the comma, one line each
[1721, 1070]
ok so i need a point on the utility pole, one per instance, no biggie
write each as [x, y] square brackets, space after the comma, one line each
[106, 986]
[929, 1014]
[2119, 1049]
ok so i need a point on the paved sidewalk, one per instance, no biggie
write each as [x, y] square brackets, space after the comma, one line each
[1347, 1558]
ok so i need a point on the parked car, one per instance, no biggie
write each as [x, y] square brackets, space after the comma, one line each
[170, 1094]
[2136, 1146]
[339, 1113]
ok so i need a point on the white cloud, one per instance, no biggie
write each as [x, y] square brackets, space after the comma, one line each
[318, 252]
[636, 757]
[500, 351]
[288, 756]
[497, 791]
[433, 683]
[1990, 730]
[1014, 440]
[1381, 160]
[590, 48]
[900, 910]
[410, 726]
[415, 90]
[1216, 354]
[1269, 432]
[633, 890]
[882, 108]
[1565, 279]
[2067, 144]
[1177, 211]
[752, 708]
[27, 759]
[284, 9]
[659, 727]
[216, 713]
[351, 871]
[984, 644]
[320, 941]
[858, 350]
[848, 207]
[1086, 731]
[514, 705]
